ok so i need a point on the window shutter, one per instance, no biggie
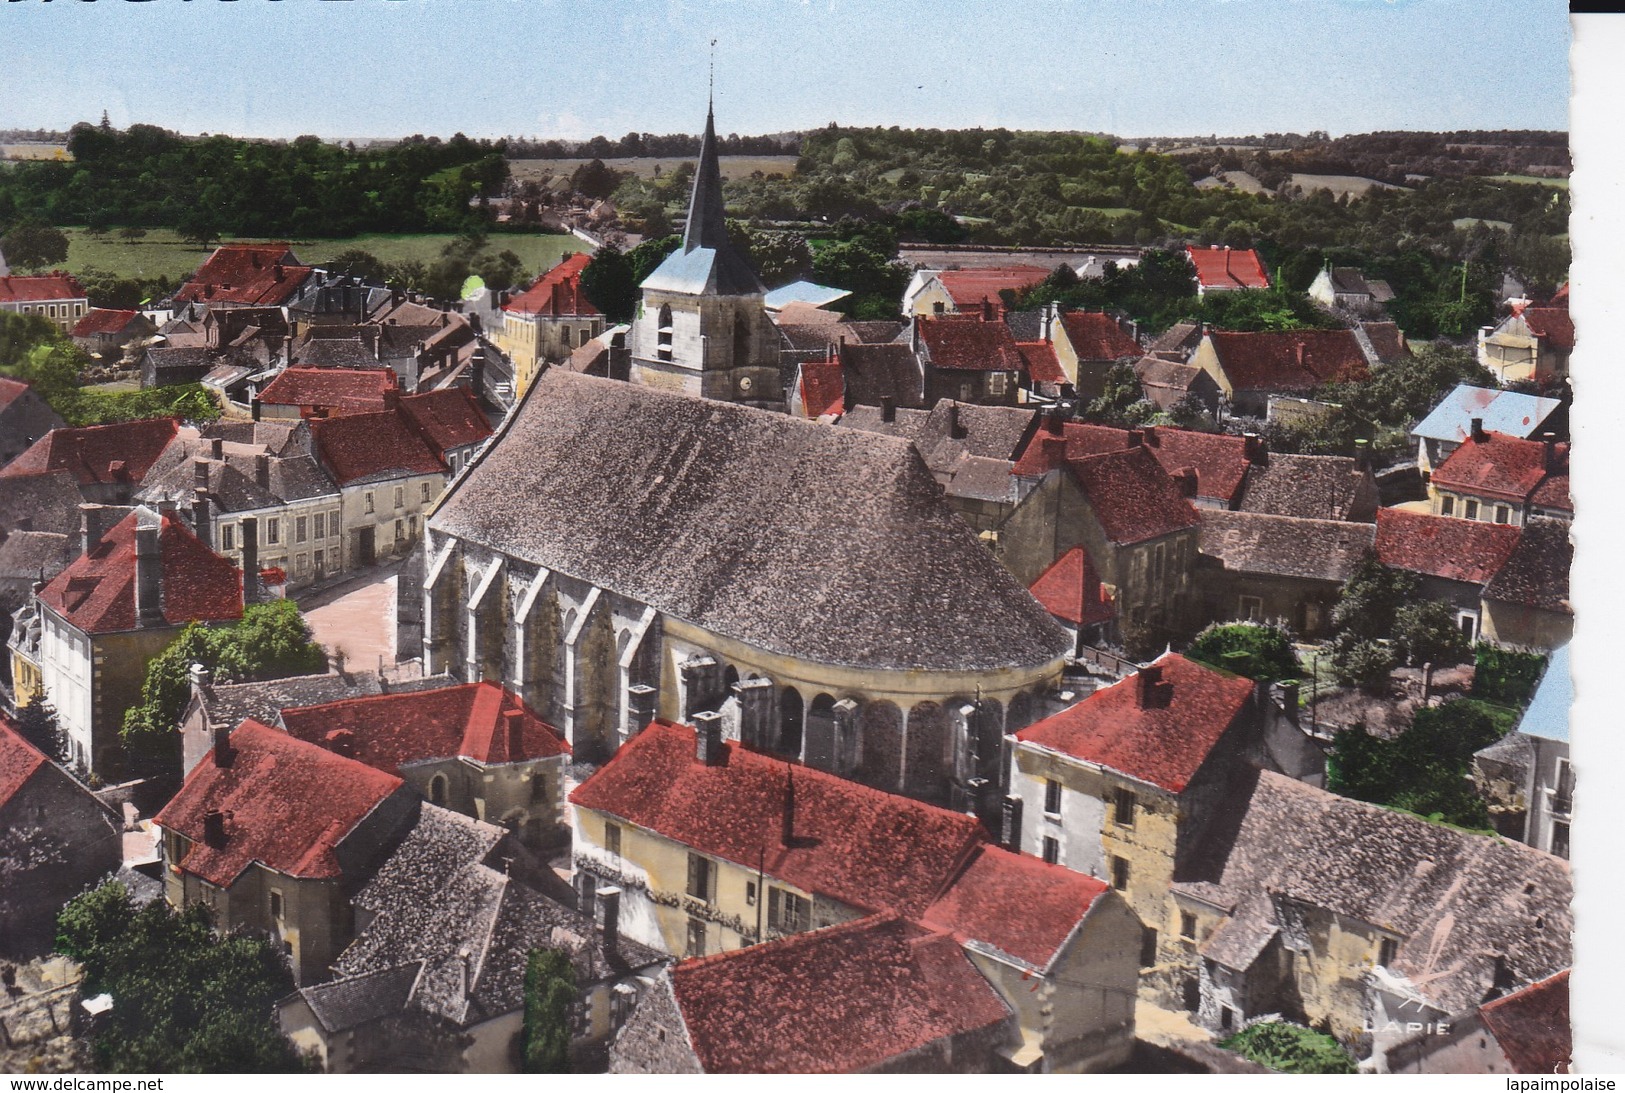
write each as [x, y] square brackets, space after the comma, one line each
[773, 898]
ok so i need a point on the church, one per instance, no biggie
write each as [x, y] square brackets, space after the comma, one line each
[670, 547]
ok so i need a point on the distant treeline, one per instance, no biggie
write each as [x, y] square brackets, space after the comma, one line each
[1393, 157]
[652, 145]
[210, 186]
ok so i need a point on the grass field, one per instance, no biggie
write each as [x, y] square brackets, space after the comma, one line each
[34, 151]
[524, 170]
[160, 253]
[1535, 180]
[1353, 185]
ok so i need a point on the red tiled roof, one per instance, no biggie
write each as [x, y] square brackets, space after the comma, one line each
[1166, 744]
[1553, 493]
[1226, 267]
[49, 286]
[1016, 903]
[969, 287]
[556, 292]
[1288, 360]
[1532, 1027]
[10, 391]
[287, 804]
[1220, 461]
[1552, 323]
[1046, 451]
[356, 390]
[253, 274]
[838, 1000]
[18, 760]
[823, 388]
[969, 345]
[1071, 588]
[478, 721]
[98, 454]
[1042, 364]
[103, 320]
[1095, 336]
[859, 845]
[1443, 546]
[1132, 497]
[448, 418]
[1500, 466]
[354, 446]
[97, 592]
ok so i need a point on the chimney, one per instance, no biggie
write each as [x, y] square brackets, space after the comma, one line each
[1549, 443]
[1149, 432]
[200, 474]
[217, 448]
[610, 900]
[987, 310]
[708, 738]
[1252, 447]
[341, 742]
[148, 578]
[214, 828]
[956, 431]
[1135, 436]
[251, 559]
[787, 830]
[1187, 481]
[254, 406]
[1479, 435]
[1010, 823]
[1145, 686]
[888, 408]
[92, 526]
[641, 702]
[914, 334]
[200, 517]
[198, 676]
[262, 470]
[221, 736]
[1286, 696]
[1362, 454]
[476, 370]
[756, 711]
[1055, 422]
[514, 724]
[276, 272]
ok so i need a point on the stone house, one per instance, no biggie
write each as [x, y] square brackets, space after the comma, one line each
[108, 461]
[966, 291]
[1454, 558]
[1226, 269]
[737, 847]
[1527, 602]
[54, 296]
[1511, 413]
[139, 578]
[1087, 345]
[1532, 343]
[24, 418]
[1251, 366]
[244, 275]
[548, 321]
[1503, 479]
[968, 358]
[327, 392]
[1123, 785]
[1072, 592]
[1525, 1032]
[619, 552]
[275, 836]
[434, 981]
[104, 332]
[1277, 569]
[1165, 384]
[1345, 287]
[1309, 487]
[1416, 923]
[56, 839]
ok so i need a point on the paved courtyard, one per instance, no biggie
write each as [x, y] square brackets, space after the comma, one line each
[356, 617]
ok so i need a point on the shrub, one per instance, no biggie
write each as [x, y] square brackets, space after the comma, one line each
[1506, 675]
[550, 996]
[1291, 1049]
[1257, 651]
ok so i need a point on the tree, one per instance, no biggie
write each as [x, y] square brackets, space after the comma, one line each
[270, 641]
[38, 724]
[499, 271]
[595, 180]
[1370, 598]
[1122, 400]
[185, 1000]
[647, 256]
[35, 246]
[550, 999]
[1291, 1049]
[1259, 652]
[779, 257]
[1424, 769]
[1426, 633]
[864, 271]
[359, 263]
[609, 283]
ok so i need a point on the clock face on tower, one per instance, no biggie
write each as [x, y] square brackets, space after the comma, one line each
[745, 384]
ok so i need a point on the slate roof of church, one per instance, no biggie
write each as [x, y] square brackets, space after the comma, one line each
[831, 545]
[707, 262]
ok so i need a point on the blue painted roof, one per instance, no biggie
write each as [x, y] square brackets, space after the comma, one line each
[1510, 412]
[804, 292]
[1548, 712]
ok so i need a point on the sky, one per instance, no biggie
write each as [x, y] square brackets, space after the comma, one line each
[576, 68]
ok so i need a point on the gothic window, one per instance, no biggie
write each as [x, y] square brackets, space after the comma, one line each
[741, 353]
[663, 333]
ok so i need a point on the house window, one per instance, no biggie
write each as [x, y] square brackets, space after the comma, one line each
[1467, 622]
[997, 383]
[321, 558]
[1560, 838]
[750, 893]
[1250, 608]
[400, 497]
[1563, 791]
[366, 500]
[1120, 874]
[228, 536]
[787, 912]
[586, 335]
[1470, 510]
[1123, 807]
[333, 522]
[400, 531]
[939, 308]
[1447, 505]
[437, 790]
[1503, 515]
[699, 877]
[273, 530]
[299, 529]
[1052, 850]
[1052, 797]
[967, 392]
[425, 492]
[301, 563]
[696, 937]
[1387, 949]
[276, 906]
[1187, 926]
[1148, 946]
[612, 839]
[321, 525]
[1158, 561]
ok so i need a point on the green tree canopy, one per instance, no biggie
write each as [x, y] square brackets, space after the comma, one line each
[35, 245]
[550, 998]
[1259, 652]
[1424, 769]
[1427, 633]
[610, 282]
[184, 999]
[1291, 1049]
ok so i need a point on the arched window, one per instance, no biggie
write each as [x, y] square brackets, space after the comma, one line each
[742, 354]
[790, 716]
[437, 789]
[663, 333]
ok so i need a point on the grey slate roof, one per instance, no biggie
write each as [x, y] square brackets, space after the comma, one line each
[1025, 326]
[1536, 574]
[976, 464]
[882, 370]
[335, 353]
[355, 1000]
[36, 555]
[229, 703]
[1453, 899]
[1285, 546]
[233, 485]
[1511, 412]
[1313, 487]
[827, 544]
[707, 262]
[40, 502]
[1180, 338]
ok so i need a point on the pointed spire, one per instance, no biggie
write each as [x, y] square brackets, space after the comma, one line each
[707, 222]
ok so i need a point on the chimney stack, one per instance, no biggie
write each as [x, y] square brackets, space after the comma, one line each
[1479, 435]
[1549, 443]
[221, 735]
[148, 578]
[200, 517]
[251, 559]
[708, 738]
[1145, 685]
[610, 900]
[1055, 422]
[262, 470]
[514, 723]
[1252, 447]
[956, 430]
[200, 474]
[1187, 481]
[1135, 437]
[92, 526]
[198, 675]
[641, 703]
[1362, 454]
[1149, 432]
[888, 408]
[217, 448]
[254, 406]
[1010, 823]
[476, 370]
[987, 310]
[1286, 695]
[214, 828]
[787, 830]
